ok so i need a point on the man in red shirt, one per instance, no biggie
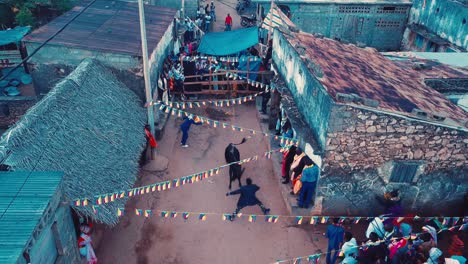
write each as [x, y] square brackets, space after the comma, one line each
[228, 22]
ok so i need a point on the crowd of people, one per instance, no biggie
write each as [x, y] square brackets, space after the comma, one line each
[392, 240]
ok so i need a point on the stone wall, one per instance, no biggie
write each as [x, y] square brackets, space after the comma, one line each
[374, 25]
[17, 107]
[361, 139]
[310, 97]
[436, 193]
[447, 19]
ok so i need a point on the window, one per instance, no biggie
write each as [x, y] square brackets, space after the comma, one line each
[404, 171]
[389, 8]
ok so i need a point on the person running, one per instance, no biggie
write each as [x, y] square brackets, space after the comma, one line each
[247, 198]
[185, 127]
[228, 22]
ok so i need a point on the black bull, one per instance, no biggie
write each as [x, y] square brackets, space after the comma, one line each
[235, 170]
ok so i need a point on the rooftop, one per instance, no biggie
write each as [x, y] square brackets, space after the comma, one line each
[24, 196]
[367, 73]
[111, 26]
[279, 2]
[90, 126]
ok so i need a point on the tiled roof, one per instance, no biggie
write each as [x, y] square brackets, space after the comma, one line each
[367, 73]
[24, 196]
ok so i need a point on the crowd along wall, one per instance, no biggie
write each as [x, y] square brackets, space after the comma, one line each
[310, 97]
[446, 19]
[380, 26]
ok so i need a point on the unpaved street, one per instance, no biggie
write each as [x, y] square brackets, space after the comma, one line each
[166, 240]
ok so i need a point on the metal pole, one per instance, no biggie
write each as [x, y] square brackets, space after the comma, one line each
[144, 50]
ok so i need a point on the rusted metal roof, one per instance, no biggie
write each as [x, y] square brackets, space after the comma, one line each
[111, 26]
[24, 196]
[395, 2]
[367, 73]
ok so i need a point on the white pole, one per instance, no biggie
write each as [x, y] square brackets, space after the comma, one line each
[182, 16]
[144, 49]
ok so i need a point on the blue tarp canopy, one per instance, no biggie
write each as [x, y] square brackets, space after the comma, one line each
[252, 65]
[228, 42]
[13, 35]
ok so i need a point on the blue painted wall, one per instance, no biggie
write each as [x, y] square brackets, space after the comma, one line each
[447, 19]
[375, 25]
[311, 99]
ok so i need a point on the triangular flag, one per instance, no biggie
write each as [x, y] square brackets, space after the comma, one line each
[342, 219]
[138, 211]
[356, 219]
[148, 213]
[120, 211]
[77, 202]
[99, 200]
[164, 214]
[202, 217]
[173, 214]
[297, 261]
[252, 218]
[313, 220]
[85, 202]
[226, 217]
[185, 215]
[298, 220]
[455, 220]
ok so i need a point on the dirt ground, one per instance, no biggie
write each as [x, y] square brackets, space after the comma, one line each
[166, 240]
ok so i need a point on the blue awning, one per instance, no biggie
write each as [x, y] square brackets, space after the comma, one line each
[228, 42]
[13, 35]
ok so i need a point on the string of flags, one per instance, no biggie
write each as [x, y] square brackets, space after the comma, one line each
[165, 185]
[214, 123]
[298, 220]
[218, 103]
[222, 59]
[315, 258]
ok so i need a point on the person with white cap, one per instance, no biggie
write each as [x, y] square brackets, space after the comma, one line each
[185, 127]
[435, 257]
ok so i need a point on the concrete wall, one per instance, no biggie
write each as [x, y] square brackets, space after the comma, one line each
[311, 99]
[54, 240]
[374, 25]
[361, 139]
[447, 19]
[52, 63]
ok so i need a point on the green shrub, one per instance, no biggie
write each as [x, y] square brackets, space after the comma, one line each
[25, 17]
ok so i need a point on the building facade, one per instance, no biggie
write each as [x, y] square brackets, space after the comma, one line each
[37, 223]
[113, 39]
[377, 24]
[437, 26]
[375, 124]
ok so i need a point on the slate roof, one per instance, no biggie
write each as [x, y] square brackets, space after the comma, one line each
[367, 73]
[90, 126]
[111, 26]
[24, 196]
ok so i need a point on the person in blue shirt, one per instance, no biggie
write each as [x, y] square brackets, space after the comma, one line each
[335, 234]
[185, 127]
[309, 177]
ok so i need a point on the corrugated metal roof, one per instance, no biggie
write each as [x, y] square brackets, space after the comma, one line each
[23, 198]
[111, 26]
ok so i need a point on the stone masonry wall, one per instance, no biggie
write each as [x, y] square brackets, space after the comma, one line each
[360, 139]
[17, 109]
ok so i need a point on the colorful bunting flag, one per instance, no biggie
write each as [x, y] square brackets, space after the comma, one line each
[298, 220]
[202, 217]
[99, 200]
[148, 213]
[120, 211]
[356, 219]
[297, 261]
[185, 215]
[252, 218]
[324, 220]
[164, 214]
[173, 214]
[226, 217]
[85, 202]
[138, 211]
[77, 202]
[313, 220]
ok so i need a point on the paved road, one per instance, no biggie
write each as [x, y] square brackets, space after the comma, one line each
[165, 240]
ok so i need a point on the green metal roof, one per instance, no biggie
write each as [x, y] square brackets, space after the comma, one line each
[23, 198]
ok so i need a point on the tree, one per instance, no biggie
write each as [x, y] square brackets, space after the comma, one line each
[24, 9]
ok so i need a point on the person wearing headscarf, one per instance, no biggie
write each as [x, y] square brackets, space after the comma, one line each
[288, 157]
[349, 249]
[85, 244]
